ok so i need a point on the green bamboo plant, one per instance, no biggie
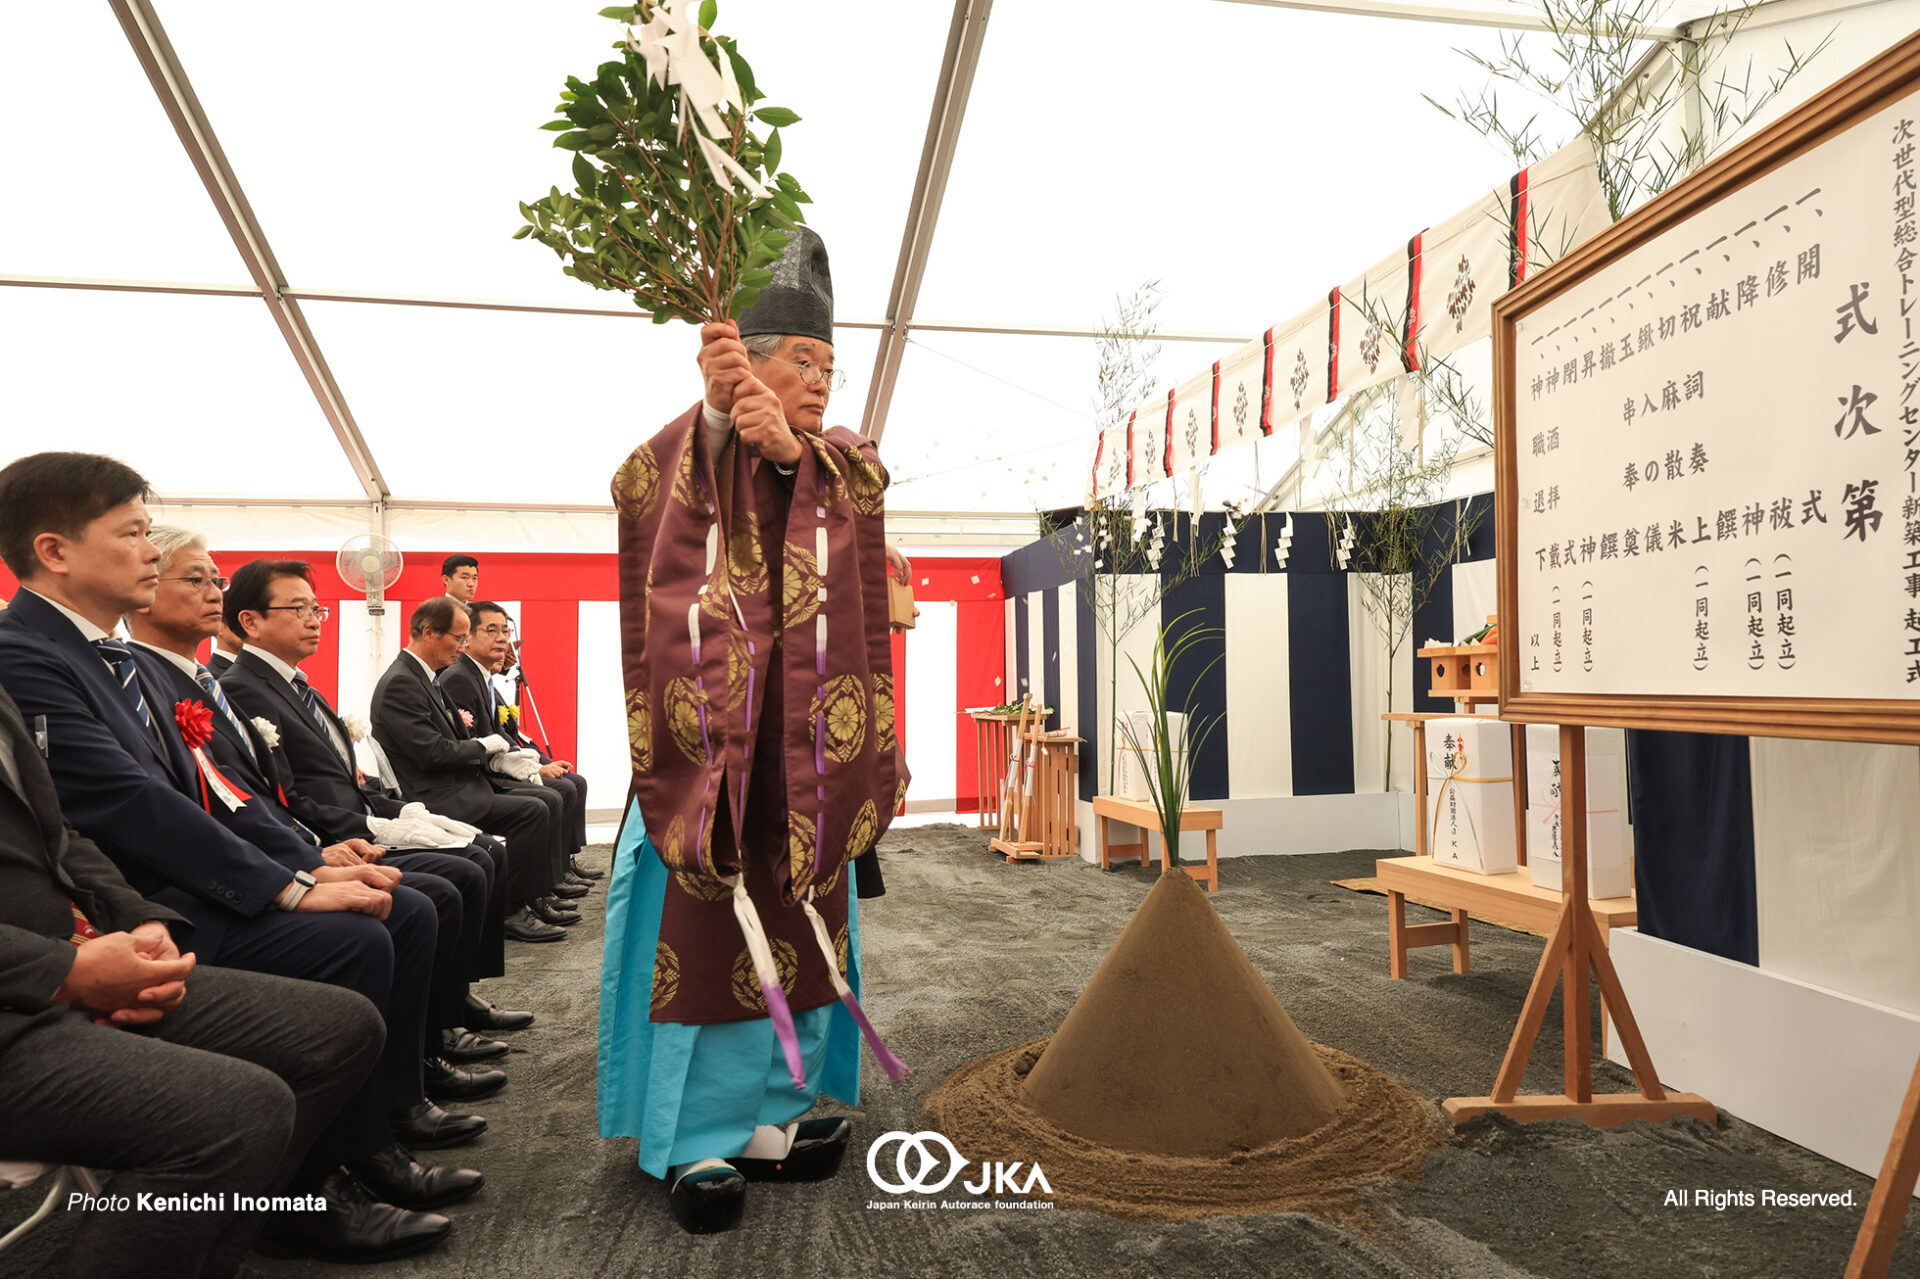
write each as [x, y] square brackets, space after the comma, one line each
[1170, 763]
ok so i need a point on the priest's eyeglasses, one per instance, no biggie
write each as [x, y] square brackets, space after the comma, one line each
[812, 374]
[200, 582]
[305, 612]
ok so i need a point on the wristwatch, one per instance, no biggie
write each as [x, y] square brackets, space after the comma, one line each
[289, 898]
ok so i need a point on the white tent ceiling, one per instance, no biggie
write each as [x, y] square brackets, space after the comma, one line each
[1245, 155]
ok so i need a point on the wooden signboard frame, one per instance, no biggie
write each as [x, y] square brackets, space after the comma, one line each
[1572, 951]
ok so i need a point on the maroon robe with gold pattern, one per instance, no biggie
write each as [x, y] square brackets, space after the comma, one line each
[759, 679]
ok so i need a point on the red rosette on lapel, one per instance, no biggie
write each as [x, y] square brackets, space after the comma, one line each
[195, 722]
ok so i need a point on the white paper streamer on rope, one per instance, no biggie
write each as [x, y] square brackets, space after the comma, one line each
[1436, 292]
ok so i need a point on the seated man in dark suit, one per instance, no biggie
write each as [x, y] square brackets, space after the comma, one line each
[226, 646]
[167, 635]
[468, 681]
[324, 786]
[105, 1063]
[460, 577]
[439, 765]
[73, 530]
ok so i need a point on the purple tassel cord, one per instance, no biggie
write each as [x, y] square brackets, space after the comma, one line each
[784, 1032]
[895, 1068]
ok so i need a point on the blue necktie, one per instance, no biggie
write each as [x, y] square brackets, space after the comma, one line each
[120, 658]
[204, 678]
[312, 701]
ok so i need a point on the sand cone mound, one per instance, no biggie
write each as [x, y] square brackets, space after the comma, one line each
[1217, 1065]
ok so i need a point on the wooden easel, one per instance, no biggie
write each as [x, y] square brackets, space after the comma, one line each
[1574, 949]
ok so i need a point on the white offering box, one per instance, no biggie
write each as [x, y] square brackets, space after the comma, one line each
[1132, 765]
[1608, 872]
[1470, 818]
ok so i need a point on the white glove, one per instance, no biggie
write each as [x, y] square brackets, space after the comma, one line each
[517, 766]
[495, 744]
[418, 811]
[411, 832]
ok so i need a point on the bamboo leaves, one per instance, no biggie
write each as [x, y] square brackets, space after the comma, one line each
[677, 202]
[1168, 755]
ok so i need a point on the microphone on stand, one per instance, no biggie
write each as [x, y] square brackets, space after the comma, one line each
[522, 687]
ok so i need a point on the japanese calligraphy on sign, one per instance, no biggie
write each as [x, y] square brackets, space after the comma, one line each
[1710, 434]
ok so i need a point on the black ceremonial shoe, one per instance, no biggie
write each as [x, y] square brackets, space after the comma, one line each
[460, 1046]
[397, 1177]
[708, 1200]
[427, 1127]
[549, 911]
[569, 891]
[818, 1147]
[524, 925]
[448, 1082]
[356, 1227]
[482, 1015]
[581, 869]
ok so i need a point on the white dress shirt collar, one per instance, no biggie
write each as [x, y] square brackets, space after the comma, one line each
[87, 629]
[423, 662]
[280, 668]
[186, 664]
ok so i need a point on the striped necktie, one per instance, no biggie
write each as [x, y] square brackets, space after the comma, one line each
[119, 658]
[204, 678]
[311, 700]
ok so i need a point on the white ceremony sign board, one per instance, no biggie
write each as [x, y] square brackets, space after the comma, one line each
[1710, 445]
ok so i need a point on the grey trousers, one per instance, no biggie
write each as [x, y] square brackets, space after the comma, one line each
[223, 1095]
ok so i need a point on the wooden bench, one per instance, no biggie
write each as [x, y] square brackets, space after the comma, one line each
[1141, 813]
[1510, 897]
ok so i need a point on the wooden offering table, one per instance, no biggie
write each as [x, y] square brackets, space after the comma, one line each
[992, 748]
[1139, 812]
[1510, 897]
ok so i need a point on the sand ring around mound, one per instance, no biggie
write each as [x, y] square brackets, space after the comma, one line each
[1383, 1130]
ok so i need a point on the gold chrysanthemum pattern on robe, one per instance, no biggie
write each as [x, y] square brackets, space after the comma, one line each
[739, 663]
[833, 480]
[800, 850]
[900, 794]
[672, 845]
[799, 587]
[685, 490]
[640, 729]
[636, 484]
[824, 889]
[748, 561]
[865, 829]
[746, 982]
[843, 703]
[869, 485]
[666, 976]
[684, 700]
[840, 949]
[701, 887]
[883, 739]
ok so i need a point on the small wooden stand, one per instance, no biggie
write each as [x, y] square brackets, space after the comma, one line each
[1575, 948]
[1468, 673]
[1139, 812]
[992, 747]
[1036, 812]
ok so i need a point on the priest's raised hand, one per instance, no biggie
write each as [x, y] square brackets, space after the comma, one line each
[723, 363]
[761, 420]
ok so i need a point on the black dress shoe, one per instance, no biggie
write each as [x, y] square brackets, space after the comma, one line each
[549, 911]
[356, 1227]
[482, 1015]
[397, 1177]
[524, 925]
[569, 891]
[818, 1147]
[581, 869]
[427, 1127]
[460, 1045]
[448, 1082]
[709, 1201]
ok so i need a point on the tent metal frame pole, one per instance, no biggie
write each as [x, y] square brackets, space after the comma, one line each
[964, 38]
[170, 83]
